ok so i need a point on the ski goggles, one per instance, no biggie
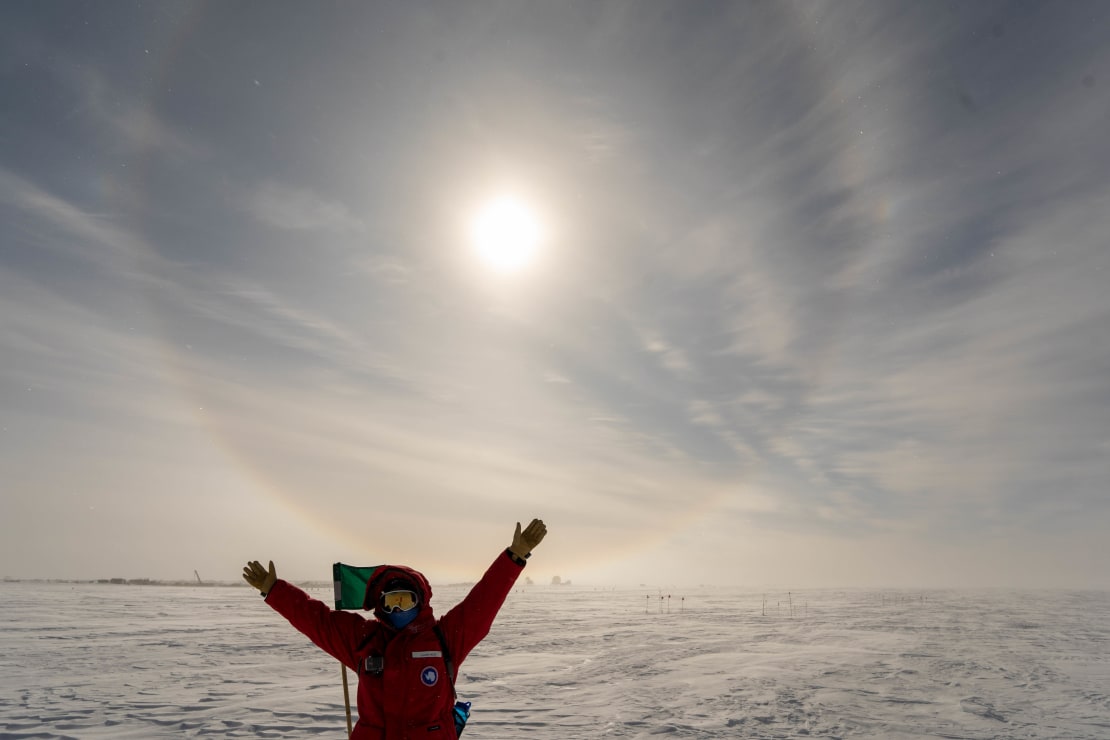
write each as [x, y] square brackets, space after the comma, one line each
[393, 601]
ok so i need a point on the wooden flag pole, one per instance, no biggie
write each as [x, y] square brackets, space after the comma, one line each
[346, 699]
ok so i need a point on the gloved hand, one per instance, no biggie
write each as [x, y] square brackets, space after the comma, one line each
[524, 542]
[257, 576]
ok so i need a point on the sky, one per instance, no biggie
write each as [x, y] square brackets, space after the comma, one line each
[818, 298]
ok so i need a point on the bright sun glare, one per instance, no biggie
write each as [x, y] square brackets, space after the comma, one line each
[506, 235]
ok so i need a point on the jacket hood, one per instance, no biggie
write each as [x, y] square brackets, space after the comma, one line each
[383, 574]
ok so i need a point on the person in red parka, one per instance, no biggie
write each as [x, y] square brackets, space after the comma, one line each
[403, 687]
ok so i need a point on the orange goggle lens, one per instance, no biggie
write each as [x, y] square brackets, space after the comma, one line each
[398, 601]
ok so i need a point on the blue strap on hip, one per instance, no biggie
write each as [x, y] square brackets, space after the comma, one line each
[462, 708]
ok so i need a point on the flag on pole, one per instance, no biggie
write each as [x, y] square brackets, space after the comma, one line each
[350, 589]
[350, 584]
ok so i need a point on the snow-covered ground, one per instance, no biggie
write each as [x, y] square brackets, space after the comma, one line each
[100, 661]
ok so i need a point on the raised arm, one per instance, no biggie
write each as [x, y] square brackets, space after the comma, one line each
[337, 633]
[470, 620]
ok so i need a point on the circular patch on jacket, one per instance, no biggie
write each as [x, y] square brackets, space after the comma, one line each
[429, 676]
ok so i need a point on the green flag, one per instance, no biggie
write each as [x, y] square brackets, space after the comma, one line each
[350, 584]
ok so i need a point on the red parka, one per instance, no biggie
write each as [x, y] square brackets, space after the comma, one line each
[411, 697]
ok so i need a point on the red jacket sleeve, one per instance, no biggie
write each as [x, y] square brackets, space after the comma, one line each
[337, 633]
[470, 620]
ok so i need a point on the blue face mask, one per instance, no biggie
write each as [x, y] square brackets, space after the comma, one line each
[398, 619]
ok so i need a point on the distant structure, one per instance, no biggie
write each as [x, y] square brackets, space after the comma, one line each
[199, 582]
[556, 581]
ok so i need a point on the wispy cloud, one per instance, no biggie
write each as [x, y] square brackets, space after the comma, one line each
[135, 126]
[91, 237]
[297, 209]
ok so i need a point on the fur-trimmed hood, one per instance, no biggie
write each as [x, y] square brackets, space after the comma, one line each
[383, 574]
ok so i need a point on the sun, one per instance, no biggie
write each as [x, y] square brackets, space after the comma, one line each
[506, 234]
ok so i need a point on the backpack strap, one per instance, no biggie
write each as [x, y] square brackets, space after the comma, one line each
[447, 659]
